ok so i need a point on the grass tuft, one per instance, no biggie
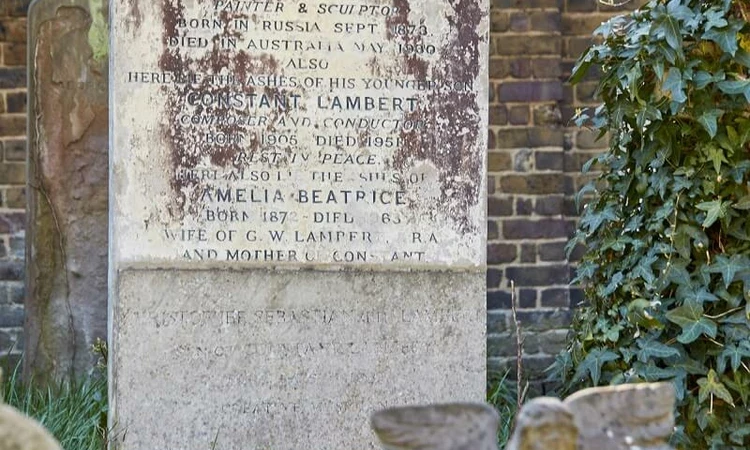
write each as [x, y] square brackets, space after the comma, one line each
[75, 413]
[503, 397]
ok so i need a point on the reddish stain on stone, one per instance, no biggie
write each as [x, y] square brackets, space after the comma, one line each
[186, 143]
[451, 138]
[135, 16]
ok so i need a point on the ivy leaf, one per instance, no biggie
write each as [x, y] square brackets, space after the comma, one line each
[594, 219]
[643, 269]
[740, 385]
[690, 318]
[675, 85]
[743, 57]
[581, 67]
[725, 36]
[670, 28]
[728, 267]
[734, 87]
[738, 435]
[654, 349]
[593, 362]
[703, 78]
[676, 9]
[715, 19]
[712, 386]
[715, 154]
[743, 203]
[714, 210]
[614, 283]
[708, 119]
[734, 354]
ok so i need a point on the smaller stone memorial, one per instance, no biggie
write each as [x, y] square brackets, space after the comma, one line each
[66, 233]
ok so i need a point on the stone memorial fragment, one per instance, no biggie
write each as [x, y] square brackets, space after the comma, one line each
[437, 427]
[626, 417]
[297, 218]
[19, 432]
[66, 234]
[544, 423]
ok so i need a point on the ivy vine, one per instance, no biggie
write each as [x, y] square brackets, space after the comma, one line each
[666, 273]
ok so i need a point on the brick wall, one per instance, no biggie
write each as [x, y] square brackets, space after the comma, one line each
[535, 158]
[12, 171]
[534, 161]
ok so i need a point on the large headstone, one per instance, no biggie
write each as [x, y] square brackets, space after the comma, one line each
[66, 263]
[297, 218]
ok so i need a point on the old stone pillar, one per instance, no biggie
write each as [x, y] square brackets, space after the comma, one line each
[66, 300]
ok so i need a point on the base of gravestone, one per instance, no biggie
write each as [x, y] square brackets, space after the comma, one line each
[283, 359]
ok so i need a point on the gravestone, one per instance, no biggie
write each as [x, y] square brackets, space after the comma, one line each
[66, 233]
[297, 218]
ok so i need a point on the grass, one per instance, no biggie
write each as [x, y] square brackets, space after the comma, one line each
[75, 413]
[502, 396]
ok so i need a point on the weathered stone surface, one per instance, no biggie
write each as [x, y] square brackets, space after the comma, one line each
[631, 416]
[67, 188]
[544, 423]
[369, 124]
[298, 218]
[437, 427]
[18, 432]
[288, 360]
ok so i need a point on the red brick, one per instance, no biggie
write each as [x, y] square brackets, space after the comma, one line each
[12, 77]
[17, 8]
[520, 68]
[13, 173]
[588, 140]
[519, 22]
[501, 253]
[499, 21]
[582, 24]
[581, 5]
[519, 115]
[499, 161]
[14, 54]
[545, 21]
[525, 45]
[498, 115]
[499, 207]
[536, 184]
[16, 102]
[13, 30]
[12, 125]
[537, 229]
[530, 91]
[15, 149]
[546, 68]
[15, 198]
[499, 68]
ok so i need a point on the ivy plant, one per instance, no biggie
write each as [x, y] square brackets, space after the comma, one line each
[666, 226]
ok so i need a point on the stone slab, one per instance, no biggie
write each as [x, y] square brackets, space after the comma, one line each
[300, 133]
[288, 360]
[66, 233]
[297, 204]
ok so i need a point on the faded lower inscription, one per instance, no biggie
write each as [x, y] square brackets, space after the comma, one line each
[258, 360]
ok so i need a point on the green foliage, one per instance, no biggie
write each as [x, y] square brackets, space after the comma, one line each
[75, 413]
[667, 230]
[502, 396]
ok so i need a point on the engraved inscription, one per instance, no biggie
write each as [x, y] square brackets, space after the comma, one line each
[315, 132]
